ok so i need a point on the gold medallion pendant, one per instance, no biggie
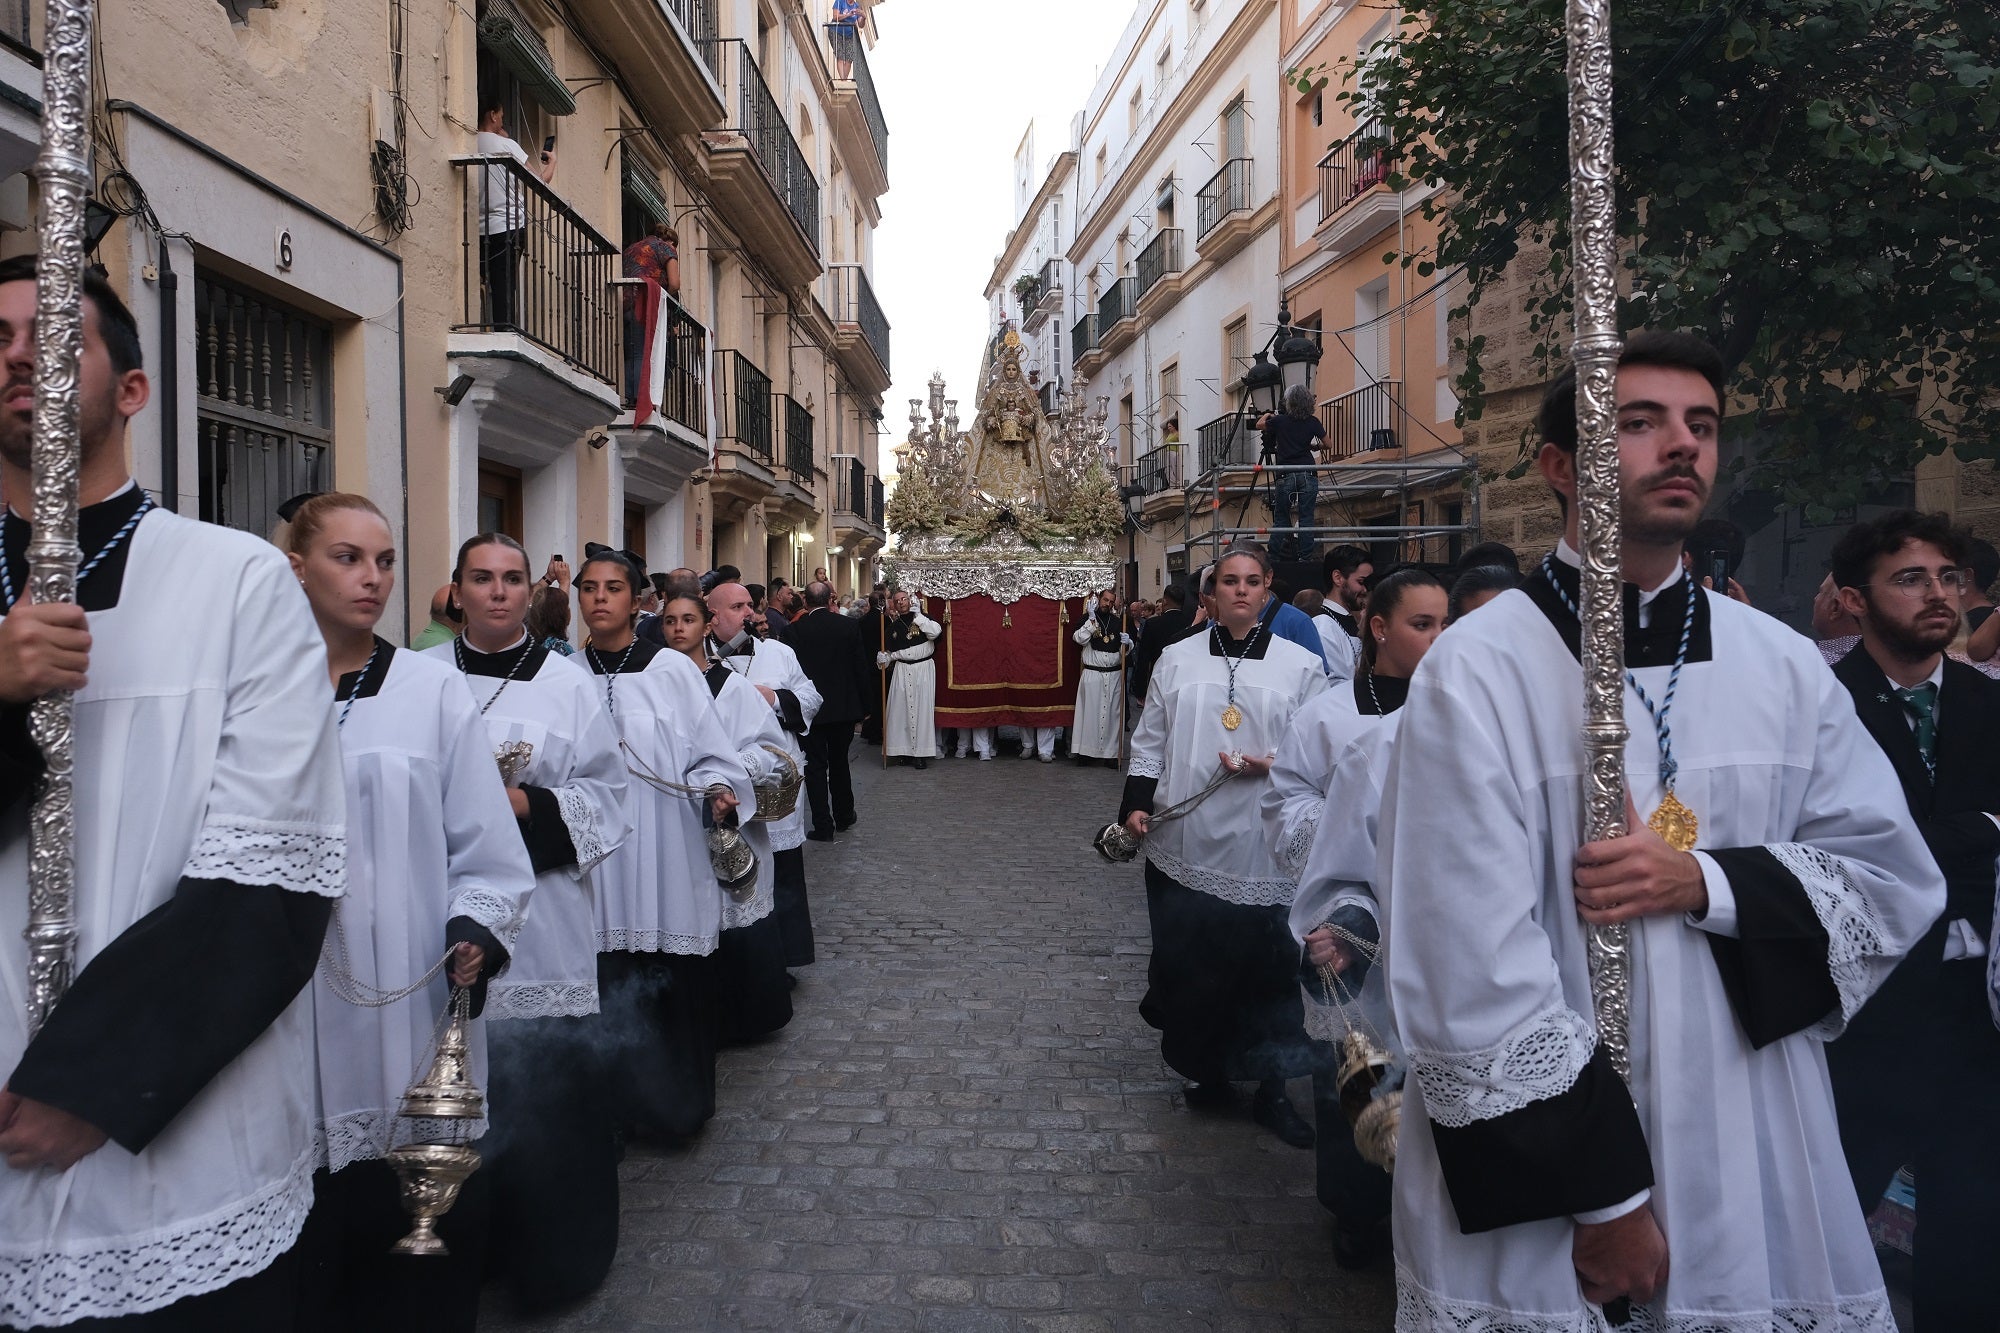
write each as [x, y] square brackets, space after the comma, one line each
[1675, 823]
[1232, 718]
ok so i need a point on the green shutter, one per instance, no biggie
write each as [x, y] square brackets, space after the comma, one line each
[644, 187]
[505, 31]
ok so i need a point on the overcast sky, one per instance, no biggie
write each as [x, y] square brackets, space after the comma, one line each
[959, 83]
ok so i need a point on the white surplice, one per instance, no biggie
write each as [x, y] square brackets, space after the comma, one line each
[1097, 724]
[1489, 978]
[558, 710]
[776, 667]
[1342, 649]
[910, 724]
[656, 893]
[1295, 800]
[1219, 849]
[752, 729]
[429, 837]
[204, 748]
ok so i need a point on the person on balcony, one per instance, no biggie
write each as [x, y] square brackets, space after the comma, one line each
[1290, 440]
[503, 212]
[655, 256]
[848, 20]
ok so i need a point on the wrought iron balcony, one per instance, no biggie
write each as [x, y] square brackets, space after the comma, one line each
[1352, 167]
[533, 266]
[1228, 191]
[743, 402]
[1082, 338]
[698, 18]
[1119, 302]
[1160, 469]
[850, 56]
[684, 399]
[850, 488]
[1362, 420]
[876, 503]
[758, 118]
[798, 441]
[1226, 440]
[854, 304]
[1160, 258]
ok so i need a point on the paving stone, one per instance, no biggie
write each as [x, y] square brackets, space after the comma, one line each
[967, 1128]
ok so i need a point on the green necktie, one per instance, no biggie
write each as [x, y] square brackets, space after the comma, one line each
[1920, 701]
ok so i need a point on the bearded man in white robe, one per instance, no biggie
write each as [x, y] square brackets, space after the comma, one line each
[1533, 1187]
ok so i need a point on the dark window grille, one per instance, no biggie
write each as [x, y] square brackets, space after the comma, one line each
[745, 405]
[1228, 191]
[263, 404]
[1161, 258]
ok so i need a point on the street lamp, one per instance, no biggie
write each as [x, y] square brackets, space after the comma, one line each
[1263, 386]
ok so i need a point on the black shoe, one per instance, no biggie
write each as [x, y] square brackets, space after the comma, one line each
[820, 835]
[902, 760]
[1274, 1111]
[842, 828]
[1208, 1096]
[921, 765]
[1082, 762]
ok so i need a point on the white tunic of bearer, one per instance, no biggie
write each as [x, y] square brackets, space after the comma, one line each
[430, 836]
[910, 725]
[1219, 849]
[558, 711]
[1295, 800]
[1490, 981]
[656, 893]
[776, 667]
[1341, 647]
[1340, 867]
[1097, 724]
[751, 726]
[204, 748]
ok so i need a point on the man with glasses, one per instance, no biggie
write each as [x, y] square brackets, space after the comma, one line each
[1917, 1077]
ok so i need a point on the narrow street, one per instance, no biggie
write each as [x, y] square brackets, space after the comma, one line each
[967, 1127]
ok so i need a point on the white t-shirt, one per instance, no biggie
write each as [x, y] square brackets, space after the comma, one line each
[501, 207]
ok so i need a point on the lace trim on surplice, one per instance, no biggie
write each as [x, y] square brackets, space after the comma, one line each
[1536, 1061]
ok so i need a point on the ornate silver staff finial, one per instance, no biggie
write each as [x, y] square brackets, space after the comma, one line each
[1594, 266]
[62, 171]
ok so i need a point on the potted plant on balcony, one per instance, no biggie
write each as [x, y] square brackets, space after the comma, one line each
[1025, 286]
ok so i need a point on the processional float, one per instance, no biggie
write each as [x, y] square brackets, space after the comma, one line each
[431, 1173]
[1007, 529]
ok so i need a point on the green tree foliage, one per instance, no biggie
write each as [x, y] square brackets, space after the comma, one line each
[1814, 184]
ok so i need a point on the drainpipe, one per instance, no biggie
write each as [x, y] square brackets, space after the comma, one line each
[170, 381]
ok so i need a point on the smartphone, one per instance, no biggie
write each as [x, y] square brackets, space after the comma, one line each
[1718, 571]
[558, 560]
[549, 144]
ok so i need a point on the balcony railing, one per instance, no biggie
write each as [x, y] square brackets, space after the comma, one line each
[854, 303]
[876, 503]
[760, 120]
[1362, 420]
[1226, 440]
[534, 267]
[850, 60]
[698, 18]
[1228, 191]
[684, 398]
[1354, 166]
[1047, 393]
[1161, 469]
[798, 440]
[1120, 301]
[1160, 258]
[1082, 338]
[743, 405]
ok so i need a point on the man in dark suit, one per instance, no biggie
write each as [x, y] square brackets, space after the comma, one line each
[874, 623]
[842, 669]
[1916, 1078]
[1160, 632]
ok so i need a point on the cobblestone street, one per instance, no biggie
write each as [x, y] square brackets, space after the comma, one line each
[968, 1127]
